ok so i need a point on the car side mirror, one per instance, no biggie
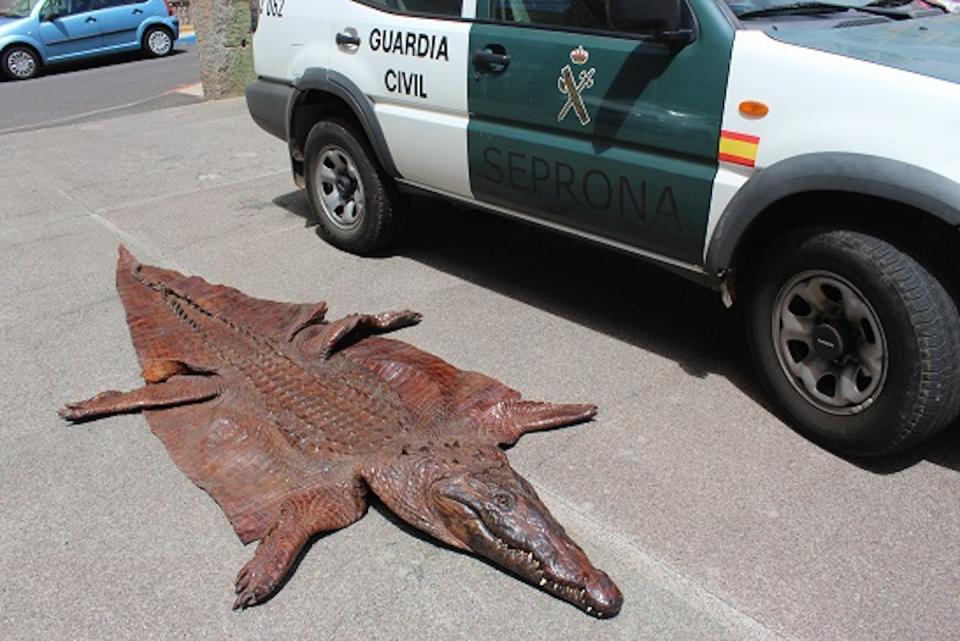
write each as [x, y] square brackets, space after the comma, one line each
[49, 17]
[662, 19]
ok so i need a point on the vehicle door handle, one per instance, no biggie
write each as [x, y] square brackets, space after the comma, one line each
[491, 60]
[91, 19]
[137, 11]
[345, 39]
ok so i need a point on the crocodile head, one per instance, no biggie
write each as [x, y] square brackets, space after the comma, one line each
[497, 514]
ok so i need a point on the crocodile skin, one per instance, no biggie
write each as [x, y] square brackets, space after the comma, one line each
[288, 421]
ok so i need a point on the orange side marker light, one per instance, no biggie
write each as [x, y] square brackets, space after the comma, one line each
[754, 109]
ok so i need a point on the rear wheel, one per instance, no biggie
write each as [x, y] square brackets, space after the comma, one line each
[856, 340]
[157, 42]
[20, 63]
[356, 203]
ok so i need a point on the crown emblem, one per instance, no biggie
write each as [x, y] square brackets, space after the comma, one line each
[579, 56]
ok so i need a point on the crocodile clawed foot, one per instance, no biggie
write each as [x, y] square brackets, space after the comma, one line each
[245, 600]
[252, 586]
[81, 410]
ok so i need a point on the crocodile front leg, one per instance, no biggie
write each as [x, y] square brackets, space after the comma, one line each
[507, 421]
[317, 510]
[173, 391]
[322, 345]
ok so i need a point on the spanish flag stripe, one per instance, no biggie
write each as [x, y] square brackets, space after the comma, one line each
[738, 148]
[739, 160]
[733, 135]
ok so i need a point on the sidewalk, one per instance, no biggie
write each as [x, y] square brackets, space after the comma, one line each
[716, 521]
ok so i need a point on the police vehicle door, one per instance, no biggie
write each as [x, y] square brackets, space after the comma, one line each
[614, 134]
[410, 58]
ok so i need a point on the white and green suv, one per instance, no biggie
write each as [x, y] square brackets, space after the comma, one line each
[803, 158]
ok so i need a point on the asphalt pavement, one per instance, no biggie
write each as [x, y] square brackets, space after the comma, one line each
[98, 88]
[716, 520]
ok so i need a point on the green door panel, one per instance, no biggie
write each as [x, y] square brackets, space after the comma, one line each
[635, 162]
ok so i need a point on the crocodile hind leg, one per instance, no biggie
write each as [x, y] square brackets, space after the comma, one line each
[509, 420]
[330, 507]
[173, 391]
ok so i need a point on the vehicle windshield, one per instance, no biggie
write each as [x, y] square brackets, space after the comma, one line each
[22, 8]
[744, 7]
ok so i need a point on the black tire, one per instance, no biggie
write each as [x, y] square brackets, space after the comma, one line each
[379, 220]
[918, 385]
[20, 62]
[157, 42]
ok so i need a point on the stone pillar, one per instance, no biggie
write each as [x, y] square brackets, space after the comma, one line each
[224, 45]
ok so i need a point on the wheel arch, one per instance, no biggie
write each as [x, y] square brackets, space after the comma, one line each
[865, 192]
[23, 42]
[320, 93]
[151, 23]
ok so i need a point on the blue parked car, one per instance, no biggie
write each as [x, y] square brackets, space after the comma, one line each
[39, 32]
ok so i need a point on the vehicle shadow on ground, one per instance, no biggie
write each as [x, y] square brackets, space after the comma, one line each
[616, 294]
[944, 450]
[97, 62]
[613, 293]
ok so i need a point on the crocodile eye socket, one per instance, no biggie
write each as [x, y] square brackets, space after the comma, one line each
[503, 500]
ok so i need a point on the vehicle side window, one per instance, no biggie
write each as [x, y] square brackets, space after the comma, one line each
[586, 14]
[429, 7]
[66, 7]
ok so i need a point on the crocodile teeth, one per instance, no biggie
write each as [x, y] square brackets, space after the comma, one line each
[543, 582]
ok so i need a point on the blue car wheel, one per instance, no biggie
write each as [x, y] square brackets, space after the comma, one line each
[20, 63]
[157, 42]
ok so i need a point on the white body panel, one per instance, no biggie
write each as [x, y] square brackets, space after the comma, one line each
[823, 102]
[420, 100]
[302, 37]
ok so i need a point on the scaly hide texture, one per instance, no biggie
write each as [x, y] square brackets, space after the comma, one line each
[288, 420]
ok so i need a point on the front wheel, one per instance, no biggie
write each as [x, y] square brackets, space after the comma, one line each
[357, 204]
[157, 42]
[857, 341]
[20, 63]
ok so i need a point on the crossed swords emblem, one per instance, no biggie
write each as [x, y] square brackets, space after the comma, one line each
[572, 87]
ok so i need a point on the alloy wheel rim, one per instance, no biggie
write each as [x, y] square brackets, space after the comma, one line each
[342, 196]
[159, 42]
[21, 64]
[829, 342]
